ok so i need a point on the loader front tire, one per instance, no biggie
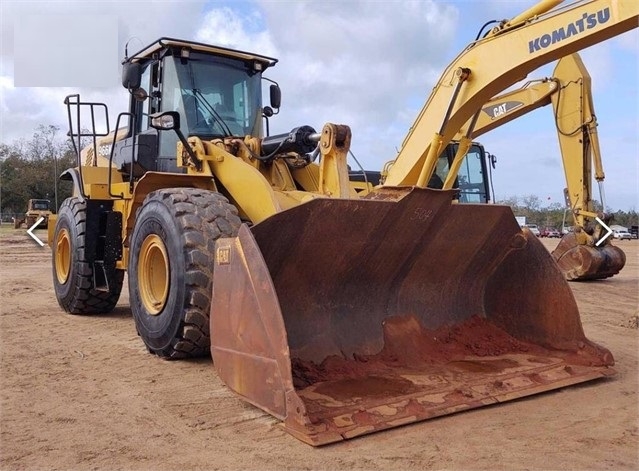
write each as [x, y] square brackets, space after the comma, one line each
[171, 259]
[72, 273]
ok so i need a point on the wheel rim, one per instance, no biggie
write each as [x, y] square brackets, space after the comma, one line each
[153, 274]
[63, 256]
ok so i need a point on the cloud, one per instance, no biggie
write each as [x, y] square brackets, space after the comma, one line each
[139, 23]
[365, 64]
[236, 29]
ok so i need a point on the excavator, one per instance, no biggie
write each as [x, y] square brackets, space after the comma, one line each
[585, 253]
[578, 254]
[339, 314]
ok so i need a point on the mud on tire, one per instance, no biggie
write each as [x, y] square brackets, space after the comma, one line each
[171, 258]
[72, 273]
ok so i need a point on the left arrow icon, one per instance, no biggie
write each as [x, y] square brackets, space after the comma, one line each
[32, 228]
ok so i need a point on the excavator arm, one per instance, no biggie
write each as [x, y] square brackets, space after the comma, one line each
[585, 253]
[511, 105]
[569, 91]
[577, 132]
[536, 37]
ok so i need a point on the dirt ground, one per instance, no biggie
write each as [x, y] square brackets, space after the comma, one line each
[82, 393]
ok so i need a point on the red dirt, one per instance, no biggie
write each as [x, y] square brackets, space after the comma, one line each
[408, 344]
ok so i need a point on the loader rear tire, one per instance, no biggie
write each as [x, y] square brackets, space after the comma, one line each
[171, 259]
[72, 273]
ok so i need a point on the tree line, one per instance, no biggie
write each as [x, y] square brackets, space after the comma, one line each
[556, 216]
[30, 168]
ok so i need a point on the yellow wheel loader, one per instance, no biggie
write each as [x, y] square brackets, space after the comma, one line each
[36, 209]
[341, 315]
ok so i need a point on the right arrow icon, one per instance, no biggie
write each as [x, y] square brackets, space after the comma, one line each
[600, 241]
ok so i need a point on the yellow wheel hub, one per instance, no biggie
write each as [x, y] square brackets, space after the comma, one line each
[63, 256]
[153, 274]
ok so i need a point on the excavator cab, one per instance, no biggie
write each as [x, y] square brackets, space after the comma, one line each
[472, 182]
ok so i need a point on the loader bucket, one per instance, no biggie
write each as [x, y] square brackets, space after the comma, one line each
[582, 262]
[345, 317]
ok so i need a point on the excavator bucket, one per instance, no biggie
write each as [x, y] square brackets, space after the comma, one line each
[345, 317]
[583, 262]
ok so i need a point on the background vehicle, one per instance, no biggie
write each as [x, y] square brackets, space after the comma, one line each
[36, 209]
[569, 90]
[339, 315]
[472, 182]
[621, 234]
[534, 229]
[550, 232]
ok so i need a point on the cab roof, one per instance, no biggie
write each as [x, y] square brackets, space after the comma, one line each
[167, 43]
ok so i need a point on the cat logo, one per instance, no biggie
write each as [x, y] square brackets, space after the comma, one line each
[495, 111]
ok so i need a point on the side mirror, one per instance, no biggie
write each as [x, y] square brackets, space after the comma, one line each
[276, 96]
[165, 120]
[492, 159]
[170, 120]
[131, 75]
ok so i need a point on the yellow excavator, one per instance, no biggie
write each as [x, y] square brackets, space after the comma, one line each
[339, 314]
[579, 254]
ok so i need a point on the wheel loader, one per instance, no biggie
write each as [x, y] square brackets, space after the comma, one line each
[36, 209]
[338, 314]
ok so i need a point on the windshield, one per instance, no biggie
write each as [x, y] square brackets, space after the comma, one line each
[470, 179]
[42, 205]
[215, 97]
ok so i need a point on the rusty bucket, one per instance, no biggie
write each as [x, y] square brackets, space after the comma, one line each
[345, 317]
[581, 262]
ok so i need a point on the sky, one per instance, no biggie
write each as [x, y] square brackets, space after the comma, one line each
[368, 64]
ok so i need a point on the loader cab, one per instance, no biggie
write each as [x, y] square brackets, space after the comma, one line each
[216, 91]
[39, 205]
